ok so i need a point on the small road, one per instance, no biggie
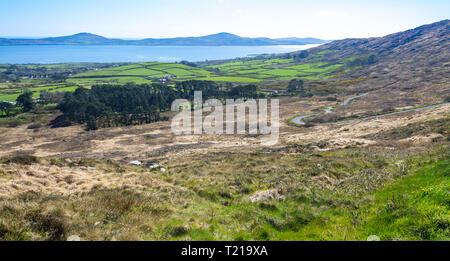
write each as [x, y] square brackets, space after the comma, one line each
[299, 120]
[396, 112]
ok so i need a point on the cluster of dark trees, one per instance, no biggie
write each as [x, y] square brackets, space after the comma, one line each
[186, 89]
[4, 77]
[25, 100]
[296, 85]
[110, 105]
[189, 63]
[361, 61]
[302, 55]
[51, 97]
[130, 104]
[299, 88]
[5, 108]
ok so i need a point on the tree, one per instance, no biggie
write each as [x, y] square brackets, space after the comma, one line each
[300, 85]
[5, 108]
[188, 63]
[292, 86]
[61, 77]
[25, 100]
[295, 85]
[91, 123]
[303, 54]
[362, 60]
[115, 105]
[371, 59]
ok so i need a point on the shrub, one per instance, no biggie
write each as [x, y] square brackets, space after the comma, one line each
[4, 231]
[54, 223]
[177, 231]
[117, 203]
[13, 123]
[21, 159]
[34, 126]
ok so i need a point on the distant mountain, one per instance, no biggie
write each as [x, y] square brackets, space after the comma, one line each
[209, 40]
[81, 38]
[304, 40]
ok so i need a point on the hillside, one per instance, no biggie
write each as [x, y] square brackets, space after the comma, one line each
[414, 63]
[219, 39]
[343, 176]
[406, 69]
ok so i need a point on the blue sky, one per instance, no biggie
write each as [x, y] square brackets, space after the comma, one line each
[324, 19]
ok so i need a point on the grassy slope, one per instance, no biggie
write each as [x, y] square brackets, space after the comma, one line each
[415, 207]
[207, 200]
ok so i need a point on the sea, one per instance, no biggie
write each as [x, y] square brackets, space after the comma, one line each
[48, 54]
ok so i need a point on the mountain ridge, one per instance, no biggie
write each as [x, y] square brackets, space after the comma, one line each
[414, 64]
[219, 39]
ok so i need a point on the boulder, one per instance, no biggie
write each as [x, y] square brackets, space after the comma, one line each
[373, 238]
[265, 195]
[135, 162]
[73, 238]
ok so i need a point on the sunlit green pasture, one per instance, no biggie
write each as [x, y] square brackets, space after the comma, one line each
[238, 71]
[11, 94]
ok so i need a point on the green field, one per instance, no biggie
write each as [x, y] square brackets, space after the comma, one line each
[250, 71]
[276, 69]
[141, 73]
[10, 90]
[11, 93]
[237, 71]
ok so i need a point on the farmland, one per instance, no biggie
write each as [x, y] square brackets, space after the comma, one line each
[273, 70]
[237, 71]
[11, 94]
[241, 70]
[39, 78]
[141, 73]
[277, 69]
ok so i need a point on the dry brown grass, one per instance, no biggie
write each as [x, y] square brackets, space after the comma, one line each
[71, 178]
[156, 141]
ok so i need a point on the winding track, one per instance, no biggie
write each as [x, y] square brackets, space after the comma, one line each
[299, 120]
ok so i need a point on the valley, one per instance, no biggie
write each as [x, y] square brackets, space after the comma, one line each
[363, 149]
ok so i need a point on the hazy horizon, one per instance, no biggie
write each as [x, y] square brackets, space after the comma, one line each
[139, 19]
[124, 38]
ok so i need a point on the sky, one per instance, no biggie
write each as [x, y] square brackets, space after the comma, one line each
[325, 19]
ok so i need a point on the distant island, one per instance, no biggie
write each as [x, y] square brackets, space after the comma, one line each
[220, 39]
